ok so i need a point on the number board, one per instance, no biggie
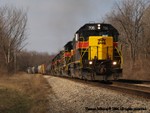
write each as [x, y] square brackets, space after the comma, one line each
[91, 27]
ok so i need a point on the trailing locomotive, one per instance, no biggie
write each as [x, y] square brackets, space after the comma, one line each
[93, 54]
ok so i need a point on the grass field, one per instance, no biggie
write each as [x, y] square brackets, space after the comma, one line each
[23, 93]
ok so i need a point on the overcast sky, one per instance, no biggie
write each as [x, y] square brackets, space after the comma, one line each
[52, 23]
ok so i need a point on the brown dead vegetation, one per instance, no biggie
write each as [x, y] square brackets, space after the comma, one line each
[32, 91]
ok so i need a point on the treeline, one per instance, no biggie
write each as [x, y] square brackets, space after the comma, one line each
[132, 19]
[32, 58]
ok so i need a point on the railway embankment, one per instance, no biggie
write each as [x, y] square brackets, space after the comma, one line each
[69, 96]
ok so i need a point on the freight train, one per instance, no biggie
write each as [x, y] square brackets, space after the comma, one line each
[93, 54]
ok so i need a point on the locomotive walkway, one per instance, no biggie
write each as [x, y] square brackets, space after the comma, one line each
[70, 96]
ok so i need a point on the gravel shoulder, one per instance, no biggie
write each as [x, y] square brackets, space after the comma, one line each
[72, 97]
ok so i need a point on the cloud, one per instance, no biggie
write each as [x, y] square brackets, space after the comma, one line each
[52, 23]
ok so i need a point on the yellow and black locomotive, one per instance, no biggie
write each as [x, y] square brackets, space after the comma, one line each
[93, 54]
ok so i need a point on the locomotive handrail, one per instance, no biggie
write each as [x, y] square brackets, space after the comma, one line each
[81, 53]
[119, 52]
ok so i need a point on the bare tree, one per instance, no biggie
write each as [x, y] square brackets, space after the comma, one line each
[128, 17]
[12, 34]
[146, 41]
[131, 18]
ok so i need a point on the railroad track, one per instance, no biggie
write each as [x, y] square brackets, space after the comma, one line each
[132, 88]
[141, 90]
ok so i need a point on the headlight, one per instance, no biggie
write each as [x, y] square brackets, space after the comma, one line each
[99, 26]
[114, 63]
[90, 62]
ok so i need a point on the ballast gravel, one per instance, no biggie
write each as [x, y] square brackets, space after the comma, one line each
[68, 96]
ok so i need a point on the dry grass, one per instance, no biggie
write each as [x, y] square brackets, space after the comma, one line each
[140, 71]
[29, 92]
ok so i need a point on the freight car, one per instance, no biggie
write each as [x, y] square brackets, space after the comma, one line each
[41, 69]
[93, 54]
